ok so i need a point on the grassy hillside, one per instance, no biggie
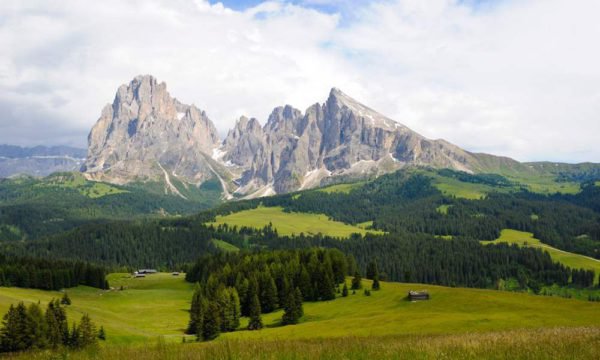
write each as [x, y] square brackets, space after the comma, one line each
[157, 306]
[574, 261]
[32, 207]
[288, 223]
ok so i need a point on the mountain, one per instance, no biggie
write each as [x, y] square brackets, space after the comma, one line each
[146, 135]
[39, 160]
[340, 138]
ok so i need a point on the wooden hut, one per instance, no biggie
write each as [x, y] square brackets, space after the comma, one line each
[418, 295]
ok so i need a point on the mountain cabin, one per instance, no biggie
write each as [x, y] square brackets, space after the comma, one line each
[418, 295]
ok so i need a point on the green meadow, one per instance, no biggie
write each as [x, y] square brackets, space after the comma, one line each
[443, 209]
[288, 223]
[462, 190]
[341, 188]
[572, 260]
[225, 246]
[78, 182]
[156, 306]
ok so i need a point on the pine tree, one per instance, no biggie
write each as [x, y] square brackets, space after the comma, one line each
[345, 290]
[102, 334]
[236, 312]
[293, 308]
[54, 332]
[268, 297]
[75, 338]
[10, 338]
[66, 300]
[304, 284]
[376, 286]
[356, 282]
[255, 319]
[195, 312]
[88, 331]
[38, 326]
[212, 322]
[326, 288]
[372, 270]
[299, 306]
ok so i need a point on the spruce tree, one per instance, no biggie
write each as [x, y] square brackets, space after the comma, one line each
[236, 312]
[299, 306]
[195, 312]
[66, 300]
[10, 336]
[345, 290]
[255, 319]
[75, 339]
[212, 322]
[326, 288]
[38, 326]
[376, 286]
[372, 270]
[102, 334]
[88, 331]
[356, 281]
[268, 298]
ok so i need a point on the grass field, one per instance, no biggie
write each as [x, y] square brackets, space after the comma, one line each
[225, 246]
[462, 190]
[341, 188]
[443, 209]
[551, 343]
[156, 306]
[78, 182]
[290, 223]
[569, 259]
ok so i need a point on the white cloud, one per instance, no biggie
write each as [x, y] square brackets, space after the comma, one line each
[518, 78]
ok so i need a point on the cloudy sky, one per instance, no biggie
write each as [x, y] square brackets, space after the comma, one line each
[517, 78]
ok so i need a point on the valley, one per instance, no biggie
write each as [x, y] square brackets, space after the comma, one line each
[280, 221]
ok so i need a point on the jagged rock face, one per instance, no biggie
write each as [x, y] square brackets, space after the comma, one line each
[340, 137]
[146, 134]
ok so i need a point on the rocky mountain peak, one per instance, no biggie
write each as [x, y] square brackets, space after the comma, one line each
[146, 135]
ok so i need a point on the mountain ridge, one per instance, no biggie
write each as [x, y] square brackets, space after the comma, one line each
[146, 134]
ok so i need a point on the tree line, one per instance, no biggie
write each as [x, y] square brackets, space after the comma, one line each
[30, 328]
[39, 273]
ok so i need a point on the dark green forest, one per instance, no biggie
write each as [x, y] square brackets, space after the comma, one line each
[46, 274]
[404, 204]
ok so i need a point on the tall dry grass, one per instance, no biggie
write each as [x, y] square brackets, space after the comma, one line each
[554, 343]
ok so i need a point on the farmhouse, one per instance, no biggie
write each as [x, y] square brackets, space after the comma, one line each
[418, 295]
[175, 273]
[137, 275]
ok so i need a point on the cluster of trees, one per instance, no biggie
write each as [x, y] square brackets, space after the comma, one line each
[25, 328]
[251, 284]
[583, 278]
[46, 274]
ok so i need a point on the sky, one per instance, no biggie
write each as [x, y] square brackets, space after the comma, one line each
[518, 78]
